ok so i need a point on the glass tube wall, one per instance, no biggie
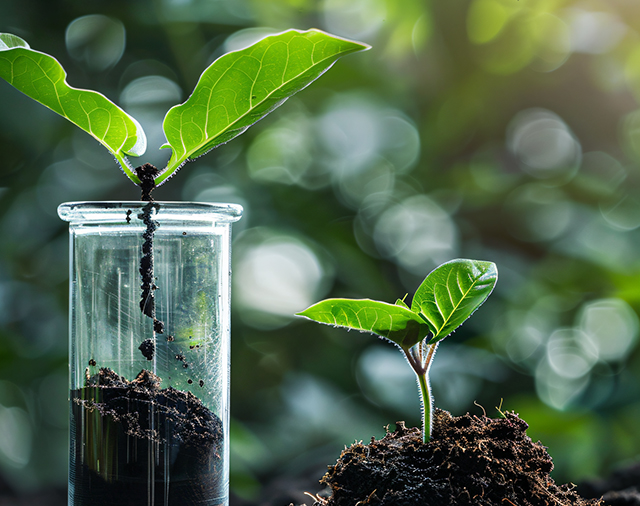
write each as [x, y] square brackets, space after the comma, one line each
[149, 352]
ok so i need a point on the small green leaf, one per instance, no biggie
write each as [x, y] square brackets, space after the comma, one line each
[42, 78]
[452, 292]
[243, 86]
[392, 322]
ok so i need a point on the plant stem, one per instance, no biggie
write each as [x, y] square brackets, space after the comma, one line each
[421, 365]
[427, 411]
[127, 168]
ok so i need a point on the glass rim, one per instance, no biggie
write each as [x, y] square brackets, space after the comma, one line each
[123, 211]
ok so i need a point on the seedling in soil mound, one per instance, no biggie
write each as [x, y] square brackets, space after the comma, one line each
[233, 93]
[445, 299]
[471, 461]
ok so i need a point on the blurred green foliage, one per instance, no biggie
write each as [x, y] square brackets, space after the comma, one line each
[503, 130]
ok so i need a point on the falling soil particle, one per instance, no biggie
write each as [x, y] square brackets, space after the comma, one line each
[181, 358]
[147, 348]
[470, 460]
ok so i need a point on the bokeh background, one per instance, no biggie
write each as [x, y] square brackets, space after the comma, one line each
[503, 130]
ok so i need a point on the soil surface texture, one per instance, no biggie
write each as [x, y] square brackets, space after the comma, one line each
[191, 421]
[135, 443]
[622, 488]
[470, 460]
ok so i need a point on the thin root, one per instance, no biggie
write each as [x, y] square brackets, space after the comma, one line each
[316, 498]
[366, 501]
[483, 410]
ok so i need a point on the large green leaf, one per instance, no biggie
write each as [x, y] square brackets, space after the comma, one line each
[390, 321]
[452, 292]
[42, 78]
[243, 86]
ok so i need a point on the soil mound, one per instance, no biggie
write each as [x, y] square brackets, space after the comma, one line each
[176, 412]
[470, 460]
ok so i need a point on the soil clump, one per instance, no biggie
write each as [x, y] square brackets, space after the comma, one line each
[147, 348]
[470, 460]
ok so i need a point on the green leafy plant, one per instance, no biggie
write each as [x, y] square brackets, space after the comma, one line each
[234, 92]
[443, 301]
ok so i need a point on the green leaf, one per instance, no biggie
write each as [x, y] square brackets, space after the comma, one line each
[392, 322]
[42, 78]
[452, 292]
[243, 86]
[402, 303]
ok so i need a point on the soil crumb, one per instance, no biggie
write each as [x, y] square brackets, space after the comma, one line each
[147, 348]
[470, 460]
[192, 423]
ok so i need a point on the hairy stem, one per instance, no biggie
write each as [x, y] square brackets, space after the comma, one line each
[127, 168]
[427, 405]
[421, 366]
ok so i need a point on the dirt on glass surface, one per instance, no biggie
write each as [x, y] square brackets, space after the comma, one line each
[138, 444]
[470, 460]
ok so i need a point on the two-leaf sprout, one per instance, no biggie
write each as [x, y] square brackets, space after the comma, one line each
[235, 91]
[444, 300]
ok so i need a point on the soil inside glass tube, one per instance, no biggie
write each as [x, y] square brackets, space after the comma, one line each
[137, 444]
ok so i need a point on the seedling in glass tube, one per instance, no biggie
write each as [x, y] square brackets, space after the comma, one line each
[234, 92]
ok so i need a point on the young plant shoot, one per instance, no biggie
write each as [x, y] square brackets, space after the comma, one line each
[234, 92]
[444, 300]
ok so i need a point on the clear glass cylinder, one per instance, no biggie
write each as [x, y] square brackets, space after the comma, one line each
[149, 352]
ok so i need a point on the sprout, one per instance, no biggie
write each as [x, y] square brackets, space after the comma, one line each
[234, 92]
[445, 299]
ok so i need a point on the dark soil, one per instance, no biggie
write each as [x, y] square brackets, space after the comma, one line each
[622, 488]
[470, 460]
[127, 434]
[148, 286]
[146, 173]
[147, 348]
